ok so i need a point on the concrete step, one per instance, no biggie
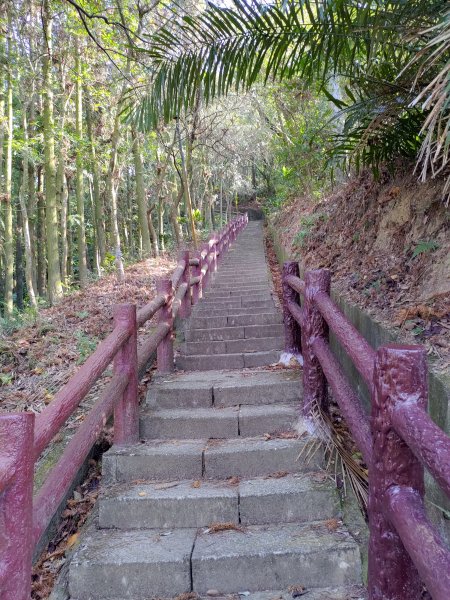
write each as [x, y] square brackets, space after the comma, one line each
[234, 346]
[259, 302]
[234, 333]
[293, 498]
[266, 317]
[285, 555]
[234, 291]
[255, 457]
[166, 460]
[201, 423]
[217, 296]
[200, 389]
[202, 311]
[110, 565]
[208, 362]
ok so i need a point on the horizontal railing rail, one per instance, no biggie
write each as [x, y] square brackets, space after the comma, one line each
[24, 436]
[397, 441]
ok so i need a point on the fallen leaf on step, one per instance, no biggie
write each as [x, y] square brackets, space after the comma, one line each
[72, 540]
[229, 526]
[277, 475]
[166, 486]
[142, 493]
[196, 484]
[233, 480]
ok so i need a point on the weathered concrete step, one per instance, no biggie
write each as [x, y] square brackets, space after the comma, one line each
[217, 296]
[234, 346]
[264, 557]
[234, 291]
[208, 362]
[230, 422]
[235, 318]
[110, 565]
[203, 311]
[260, 302]
[234, 333]
[163, 460]
[197, 389]
[293, 498]
[255, 457]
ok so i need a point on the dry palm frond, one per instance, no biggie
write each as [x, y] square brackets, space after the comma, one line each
[336, 441]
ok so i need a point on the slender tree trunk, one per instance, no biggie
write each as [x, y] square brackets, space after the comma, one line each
[187, 191]
[55, 290]
[153, 234]
[141, 198]
[63, 215]
[79, 183]
[19, 291]
[32, 199]
[94, 240]
[2, 137]
[98, 205]
[25, 221]
[161, 208]
[111, 196]
[41, 254]
[8, 214]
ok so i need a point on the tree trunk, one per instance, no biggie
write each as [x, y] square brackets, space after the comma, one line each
[8, 214]
[141, 198]
[40, 233]
[25, 221]
[187, 191]
[98, 204]
[55, 290]
[111, 196]
[79, 183]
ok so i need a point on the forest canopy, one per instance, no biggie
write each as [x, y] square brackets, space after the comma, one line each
[129, 126]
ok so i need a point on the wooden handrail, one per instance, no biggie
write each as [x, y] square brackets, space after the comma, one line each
[50, 420]
[398, 441]
[24, 437]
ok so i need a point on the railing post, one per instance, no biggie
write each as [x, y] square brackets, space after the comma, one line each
[214, 253]
[16, 506]
[126, 412]
[400, 375]
[197, 272]
[185, 308]
[292, 330]
[207, 262]
[165, 349]
[314, 381]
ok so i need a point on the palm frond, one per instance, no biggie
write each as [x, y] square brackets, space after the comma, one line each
[231, 48]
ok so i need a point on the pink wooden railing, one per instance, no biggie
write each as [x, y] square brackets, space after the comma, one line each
[397, 441]
[23, 436]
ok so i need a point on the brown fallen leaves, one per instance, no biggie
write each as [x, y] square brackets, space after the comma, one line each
[229, 526]
[77, 510]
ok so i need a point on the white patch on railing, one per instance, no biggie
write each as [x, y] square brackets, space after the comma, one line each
[288, 359]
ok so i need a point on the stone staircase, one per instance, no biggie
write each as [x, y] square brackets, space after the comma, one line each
[219, 498]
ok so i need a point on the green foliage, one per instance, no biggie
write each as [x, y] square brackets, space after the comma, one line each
[307, 224]
[424, 247]
[390, 57]
[85, 345]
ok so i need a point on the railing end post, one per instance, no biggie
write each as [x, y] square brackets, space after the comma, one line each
[292, 330]
[16, 504]
[399, 376]
[315, 389]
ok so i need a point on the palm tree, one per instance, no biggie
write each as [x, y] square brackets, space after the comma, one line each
[390, 55]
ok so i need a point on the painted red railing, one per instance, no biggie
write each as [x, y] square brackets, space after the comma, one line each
[23, 436]
[397, 441]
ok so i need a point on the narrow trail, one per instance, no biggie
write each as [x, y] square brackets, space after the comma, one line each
[219, 499]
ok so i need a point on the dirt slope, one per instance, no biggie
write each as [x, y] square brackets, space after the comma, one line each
[387, 244]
